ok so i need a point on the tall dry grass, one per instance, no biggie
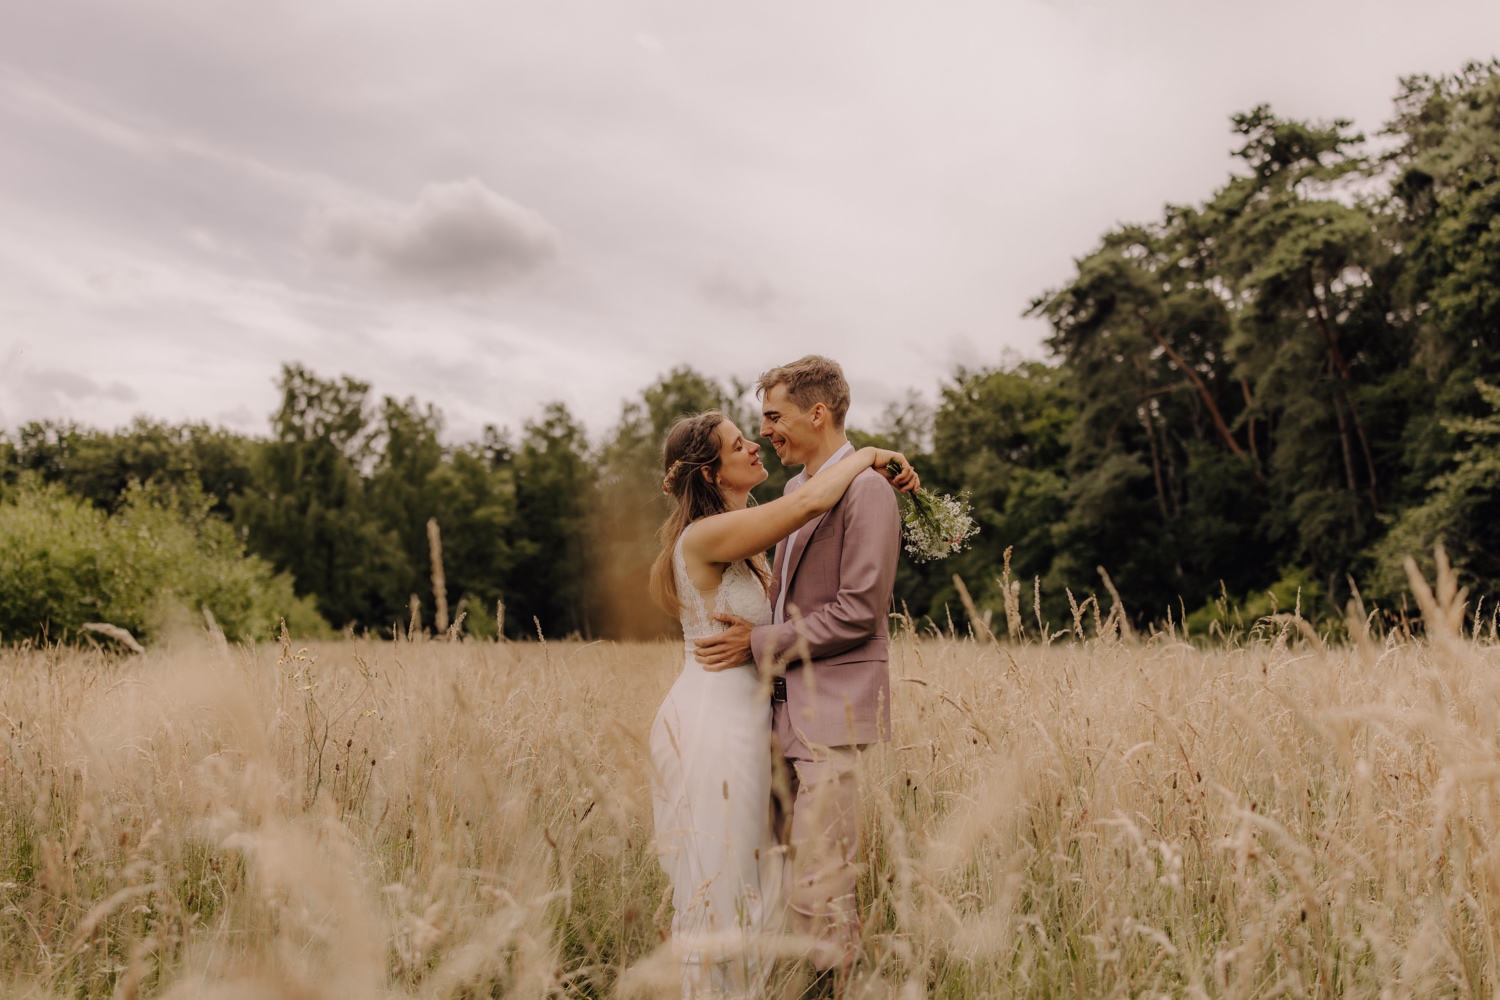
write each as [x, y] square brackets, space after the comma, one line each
[426, 818]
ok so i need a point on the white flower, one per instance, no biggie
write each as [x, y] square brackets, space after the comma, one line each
[935, 526]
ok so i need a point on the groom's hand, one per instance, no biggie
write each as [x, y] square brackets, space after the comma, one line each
[729, 648]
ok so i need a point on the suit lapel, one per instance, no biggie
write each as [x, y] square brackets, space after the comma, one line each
[788, 564]
[778, 562]
[794, 557]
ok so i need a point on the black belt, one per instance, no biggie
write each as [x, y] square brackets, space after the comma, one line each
[778, 689]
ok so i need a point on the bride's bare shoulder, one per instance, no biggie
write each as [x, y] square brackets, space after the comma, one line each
[704, 574]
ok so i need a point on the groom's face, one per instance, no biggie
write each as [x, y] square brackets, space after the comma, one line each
[787, 426]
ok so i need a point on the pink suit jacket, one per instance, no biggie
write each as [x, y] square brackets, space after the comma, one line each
[839, 573]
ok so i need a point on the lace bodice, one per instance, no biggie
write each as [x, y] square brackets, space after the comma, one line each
[739, 593]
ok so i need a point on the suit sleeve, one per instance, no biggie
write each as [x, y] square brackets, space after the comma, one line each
[867, 568]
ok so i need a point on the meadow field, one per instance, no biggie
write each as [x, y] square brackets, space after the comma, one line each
[1086, 815]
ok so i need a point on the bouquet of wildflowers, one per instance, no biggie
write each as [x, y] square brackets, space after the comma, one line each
[933, 526]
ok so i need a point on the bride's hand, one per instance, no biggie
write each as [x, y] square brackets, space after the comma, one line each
[907, 481]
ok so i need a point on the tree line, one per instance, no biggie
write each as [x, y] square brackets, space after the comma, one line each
[1274, 395]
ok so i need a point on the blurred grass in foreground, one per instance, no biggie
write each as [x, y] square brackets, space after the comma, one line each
[429, 818]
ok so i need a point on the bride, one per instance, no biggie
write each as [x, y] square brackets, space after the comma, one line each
[711, 741]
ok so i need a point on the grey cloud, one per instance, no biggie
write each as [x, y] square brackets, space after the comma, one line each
[53, 393]
[457, 236]
[75, 386]
[241, 417]
[732, 291]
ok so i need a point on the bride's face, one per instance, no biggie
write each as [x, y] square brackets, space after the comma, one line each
[740, 469]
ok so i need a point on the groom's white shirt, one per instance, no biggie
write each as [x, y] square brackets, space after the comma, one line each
[793, 485]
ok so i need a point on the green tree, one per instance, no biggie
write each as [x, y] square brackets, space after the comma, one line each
[100, 465]
[1141, 332]
[1309, 269]
[307, 511]
[1445, 207]
[10, 465]
[1461, 511]
[474, 499]
[1000, 435]
[1238, 363]
[554, 498]
[402, 496]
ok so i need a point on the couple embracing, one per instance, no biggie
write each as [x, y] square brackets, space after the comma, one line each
[784, 679]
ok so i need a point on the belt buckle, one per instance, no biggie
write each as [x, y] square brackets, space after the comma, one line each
[778, 689]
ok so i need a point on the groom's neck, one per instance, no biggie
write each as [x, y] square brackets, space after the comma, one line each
[825, 451]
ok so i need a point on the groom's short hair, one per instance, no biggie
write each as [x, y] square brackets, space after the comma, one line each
[810, 380]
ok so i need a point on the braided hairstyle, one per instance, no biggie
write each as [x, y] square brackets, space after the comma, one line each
[690, 463]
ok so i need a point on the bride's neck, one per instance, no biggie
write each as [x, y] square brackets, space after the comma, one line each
[737, 501]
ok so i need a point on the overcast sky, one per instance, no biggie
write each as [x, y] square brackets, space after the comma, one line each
[490, 205]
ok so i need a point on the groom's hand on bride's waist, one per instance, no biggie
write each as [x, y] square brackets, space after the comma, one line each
[729, 648]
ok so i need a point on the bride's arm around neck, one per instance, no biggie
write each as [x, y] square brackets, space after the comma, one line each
[740, 534]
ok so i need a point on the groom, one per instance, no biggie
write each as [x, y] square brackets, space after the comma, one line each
[831, 596]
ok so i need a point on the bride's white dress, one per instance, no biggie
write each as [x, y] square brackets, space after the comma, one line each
[711, 746]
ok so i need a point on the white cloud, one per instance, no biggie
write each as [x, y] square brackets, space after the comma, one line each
[456, 237]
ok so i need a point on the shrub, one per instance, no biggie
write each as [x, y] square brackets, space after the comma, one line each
[64, 563]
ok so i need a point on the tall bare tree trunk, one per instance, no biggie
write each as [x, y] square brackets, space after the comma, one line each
[1250, 418]
[1161, 490]
[1338, 411]
[1208, 399]
[1340, 369]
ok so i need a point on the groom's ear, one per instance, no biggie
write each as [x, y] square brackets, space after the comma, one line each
[818, 414]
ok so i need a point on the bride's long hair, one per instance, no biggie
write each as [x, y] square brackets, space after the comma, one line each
[690, 462]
